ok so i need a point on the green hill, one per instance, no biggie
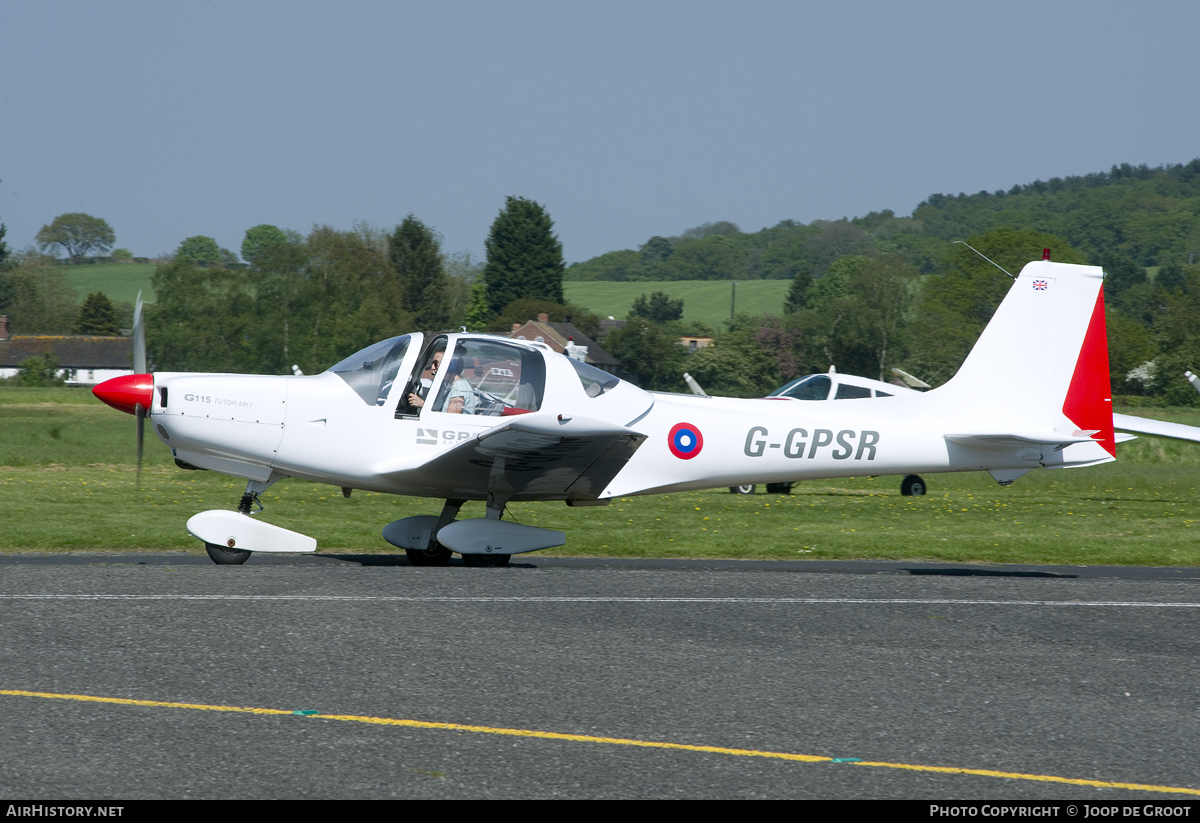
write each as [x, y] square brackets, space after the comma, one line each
[119, 281]
[704, 300]
[1150, 216]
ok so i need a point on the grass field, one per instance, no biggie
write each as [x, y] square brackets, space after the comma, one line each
[121, 282]
[67, 483]
[704, 300]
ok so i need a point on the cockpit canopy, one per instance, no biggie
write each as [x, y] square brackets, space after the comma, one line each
[372, 371]
[493, 378]
[462, 374]
[822, 387]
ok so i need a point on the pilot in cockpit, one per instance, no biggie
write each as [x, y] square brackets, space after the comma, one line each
[460, 399]
[417, 399]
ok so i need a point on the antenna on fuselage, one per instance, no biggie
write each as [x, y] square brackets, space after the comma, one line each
[984, 256]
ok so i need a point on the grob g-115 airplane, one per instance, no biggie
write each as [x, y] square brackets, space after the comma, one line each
[472, 417]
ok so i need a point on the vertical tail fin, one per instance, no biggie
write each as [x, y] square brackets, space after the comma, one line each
[1041, 365]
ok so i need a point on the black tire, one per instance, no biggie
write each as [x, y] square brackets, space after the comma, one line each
[223, 556]
[439, 555]
[912, 486]
[747, 489]
[489, 561]
[779, 488]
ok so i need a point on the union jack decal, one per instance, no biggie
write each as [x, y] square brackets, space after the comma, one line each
[1040, 285]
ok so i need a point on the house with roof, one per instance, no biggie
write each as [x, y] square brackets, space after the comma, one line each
[565, 339]
[82, 360]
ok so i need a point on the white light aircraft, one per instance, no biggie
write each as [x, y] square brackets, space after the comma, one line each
[472, 417]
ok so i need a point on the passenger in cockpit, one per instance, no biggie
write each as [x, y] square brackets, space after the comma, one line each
[461, 399]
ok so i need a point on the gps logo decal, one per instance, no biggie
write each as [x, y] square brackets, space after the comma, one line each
[685, 441]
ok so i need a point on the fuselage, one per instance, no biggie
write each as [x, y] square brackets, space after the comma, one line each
[325, 429]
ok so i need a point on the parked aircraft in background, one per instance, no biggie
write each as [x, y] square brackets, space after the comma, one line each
[835, 386]
[471, 417]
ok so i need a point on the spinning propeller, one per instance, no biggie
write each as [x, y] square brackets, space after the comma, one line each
[133, 393]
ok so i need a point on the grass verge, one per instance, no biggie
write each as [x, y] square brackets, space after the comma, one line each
[704, 300]
[68, 484]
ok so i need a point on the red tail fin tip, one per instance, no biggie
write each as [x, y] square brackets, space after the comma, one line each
[1089, 398]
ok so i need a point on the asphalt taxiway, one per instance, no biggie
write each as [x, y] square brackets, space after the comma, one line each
[120, 676]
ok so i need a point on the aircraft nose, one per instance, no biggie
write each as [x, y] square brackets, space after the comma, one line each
[127, 392]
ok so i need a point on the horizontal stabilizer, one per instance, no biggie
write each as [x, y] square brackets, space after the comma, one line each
[1156, 428]
[1007, 440]
[239, 531]
[481, 535]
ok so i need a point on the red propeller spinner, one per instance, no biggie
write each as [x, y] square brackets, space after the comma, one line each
[127, 392]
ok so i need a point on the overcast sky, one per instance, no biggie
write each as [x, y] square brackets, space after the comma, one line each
[625, 120]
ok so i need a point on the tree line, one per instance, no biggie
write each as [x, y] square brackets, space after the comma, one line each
[868, 314]
[1150, 216]
[312, 300]
[866, 294]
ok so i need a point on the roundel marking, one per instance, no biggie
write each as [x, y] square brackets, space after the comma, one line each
[685, 441]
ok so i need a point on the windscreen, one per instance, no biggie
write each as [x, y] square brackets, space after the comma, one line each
[813, 387]
[372, 371]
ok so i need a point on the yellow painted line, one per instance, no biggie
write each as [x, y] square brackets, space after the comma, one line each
[615, 741]
[122, 701]
[1041, 778]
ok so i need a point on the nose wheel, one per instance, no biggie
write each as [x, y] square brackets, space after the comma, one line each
[226, 557]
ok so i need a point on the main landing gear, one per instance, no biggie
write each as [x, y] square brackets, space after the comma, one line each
[912, 486]
[772, 488]
[435, 554]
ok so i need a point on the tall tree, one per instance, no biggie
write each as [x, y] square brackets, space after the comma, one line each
[199, 249]
[3, 249]
[414, 251]
[35, 293]
[797, 296]
[651, 352]
[882, 292]
[1120, 274]
[77, 234]
[524, 258]
[259, 239]
[1172, 276]
[202, 320]
[659, 308]
[98, 317]
[738, 364]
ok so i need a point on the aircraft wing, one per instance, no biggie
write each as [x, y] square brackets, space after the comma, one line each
[534, 455]
[1155, 428]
